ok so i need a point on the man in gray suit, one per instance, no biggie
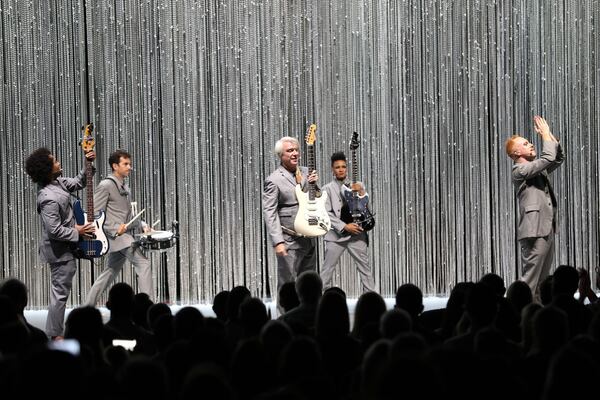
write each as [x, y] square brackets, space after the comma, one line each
[112, 196]
[295, 254]
[537, 202]
[344, 236]
[60, 233]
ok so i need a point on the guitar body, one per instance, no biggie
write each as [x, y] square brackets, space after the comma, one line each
[96, 246]
[358, 207]
[312, 219]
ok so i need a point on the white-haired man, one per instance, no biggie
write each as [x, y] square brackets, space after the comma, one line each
[295, 254]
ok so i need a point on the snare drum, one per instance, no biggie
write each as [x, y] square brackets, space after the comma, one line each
[157, 240]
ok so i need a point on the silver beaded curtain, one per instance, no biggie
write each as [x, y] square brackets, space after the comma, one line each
[199, 91]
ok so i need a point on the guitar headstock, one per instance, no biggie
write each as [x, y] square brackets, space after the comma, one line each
[311, 135]
[354, 141]
[88, 142]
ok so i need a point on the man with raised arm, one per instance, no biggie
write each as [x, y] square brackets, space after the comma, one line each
[536, 201]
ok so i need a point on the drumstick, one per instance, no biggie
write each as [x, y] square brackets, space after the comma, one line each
[154, 224]
[133, 219]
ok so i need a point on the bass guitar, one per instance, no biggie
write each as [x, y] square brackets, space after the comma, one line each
[357, 205]
[97, 244]
[312, 219]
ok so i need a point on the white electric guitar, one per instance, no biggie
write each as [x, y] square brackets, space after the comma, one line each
[312, 219]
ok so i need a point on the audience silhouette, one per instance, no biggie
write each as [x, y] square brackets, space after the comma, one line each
[488, 342]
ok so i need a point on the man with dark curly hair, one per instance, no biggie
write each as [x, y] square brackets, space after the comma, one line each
[60, 233]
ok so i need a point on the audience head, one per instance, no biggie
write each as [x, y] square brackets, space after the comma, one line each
[141, 305]
[274, 336]
[14, 336]
[395, 322]
[220, 305]
[16, 291]
[288, 298]
[187, 322]
[481, 305]
[309, 287]
[253, 316]
[85, 324]
[120, 300]
[550, 329]
[566, 281]
[369, 309]
[336, 289]
[495, 282]
[455, 308]
[332, 319]
[519, 295]
[155, 311]
[236, 296]
[374, 365]
[410, 298]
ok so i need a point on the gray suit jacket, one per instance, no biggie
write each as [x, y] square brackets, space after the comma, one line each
[112, 196]
[54, 205]
[537, 203]
[334, 205]
[280, 204]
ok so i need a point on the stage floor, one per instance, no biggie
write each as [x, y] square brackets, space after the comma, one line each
[38, 318]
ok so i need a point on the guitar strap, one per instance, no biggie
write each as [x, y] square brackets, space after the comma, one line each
[122, 190]
[291, 232]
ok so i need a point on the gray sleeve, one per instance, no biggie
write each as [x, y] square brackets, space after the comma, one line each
[270, 197]
[52, 222]
[336, 223]
[531, 169]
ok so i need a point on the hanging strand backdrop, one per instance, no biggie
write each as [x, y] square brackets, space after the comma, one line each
[199, 91]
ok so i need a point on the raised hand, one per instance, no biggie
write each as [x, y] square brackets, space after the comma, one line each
[543, 129]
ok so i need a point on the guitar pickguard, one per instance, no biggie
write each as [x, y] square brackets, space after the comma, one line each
[312, 219]
[96, 246]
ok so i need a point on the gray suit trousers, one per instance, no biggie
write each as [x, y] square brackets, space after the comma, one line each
[357, 247]
[537, 255]
[61, 276]
[115, 263]
[301, 257]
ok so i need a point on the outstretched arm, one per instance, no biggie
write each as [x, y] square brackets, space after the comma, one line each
[78, 182]
[543, 129]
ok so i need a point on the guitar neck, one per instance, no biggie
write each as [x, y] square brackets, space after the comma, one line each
[354, 166]
[312, 166]
[89, 190]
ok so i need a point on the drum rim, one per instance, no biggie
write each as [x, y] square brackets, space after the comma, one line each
[159, 236]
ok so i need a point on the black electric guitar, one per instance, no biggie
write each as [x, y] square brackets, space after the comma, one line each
[97, 244]
[357, 205]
